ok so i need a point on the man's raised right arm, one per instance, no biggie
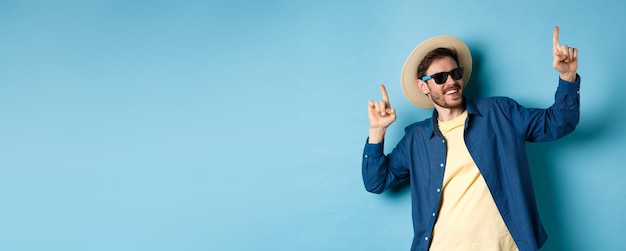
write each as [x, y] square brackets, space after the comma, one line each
[378, 171]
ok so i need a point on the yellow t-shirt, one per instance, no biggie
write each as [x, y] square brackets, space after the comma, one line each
[468, 217]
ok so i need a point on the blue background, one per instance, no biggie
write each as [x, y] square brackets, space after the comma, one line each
[239, 125]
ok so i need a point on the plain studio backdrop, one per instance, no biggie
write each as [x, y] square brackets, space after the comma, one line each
[239, 125]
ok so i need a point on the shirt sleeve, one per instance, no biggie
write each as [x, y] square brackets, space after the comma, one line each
[554, 122]
[381, 171]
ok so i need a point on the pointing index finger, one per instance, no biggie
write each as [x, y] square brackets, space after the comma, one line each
[555, 37]
[383, 90]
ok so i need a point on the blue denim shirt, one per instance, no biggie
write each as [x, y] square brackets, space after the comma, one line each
[495, 134]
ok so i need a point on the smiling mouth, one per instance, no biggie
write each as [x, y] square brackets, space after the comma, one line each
[453, 91]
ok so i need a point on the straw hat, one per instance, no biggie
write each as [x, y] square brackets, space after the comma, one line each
[409, 70]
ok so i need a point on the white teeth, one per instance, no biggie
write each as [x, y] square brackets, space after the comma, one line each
[452, 91]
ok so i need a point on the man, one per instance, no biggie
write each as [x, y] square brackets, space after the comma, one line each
[470, 182]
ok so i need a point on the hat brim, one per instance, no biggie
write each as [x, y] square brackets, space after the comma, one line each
[409, 70]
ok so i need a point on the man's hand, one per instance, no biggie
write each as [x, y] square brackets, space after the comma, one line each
[565, 58]
[381, 115]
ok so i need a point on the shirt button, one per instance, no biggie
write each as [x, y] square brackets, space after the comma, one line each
[441, 165]
[366, 156]
[443, 141]
[438, 190]
[426, 238]
[433, 214]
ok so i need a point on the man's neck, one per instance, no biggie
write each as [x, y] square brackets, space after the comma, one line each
[447, 114]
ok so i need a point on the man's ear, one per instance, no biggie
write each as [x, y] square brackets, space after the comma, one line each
[423, 86]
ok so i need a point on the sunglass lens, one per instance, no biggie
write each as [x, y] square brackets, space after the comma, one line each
[440, 78]
[457, 73]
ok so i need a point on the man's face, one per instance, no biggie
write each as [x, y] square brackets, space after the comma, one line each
[449, 94]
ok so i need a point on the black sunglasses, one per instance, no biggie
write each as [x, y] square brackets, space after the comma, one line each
[442, 77]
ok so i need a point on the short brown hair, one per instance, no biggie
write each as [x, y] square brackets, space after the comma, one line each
[431, 56]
